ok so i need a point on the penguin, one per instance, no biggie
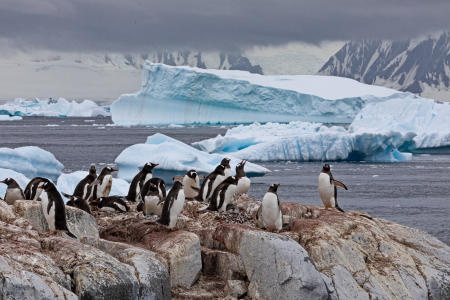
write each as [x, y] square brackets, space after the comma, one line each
[13, 191]
[78, 202]
[31, 190]
[81, 190]
[160, 185]
[269, 213]
[111, 203]
[173, 205]
[191, 184]
[327, 188]
[223, 194]
[101, 187]
[53, 208]
[244, 183]
[153, 202]
[206, 189]
[220, 178]
[139, 180]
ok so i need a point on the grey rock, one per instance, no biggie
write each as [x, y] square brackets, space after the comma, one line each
[236, 288]
[346, 286]
[279, 268]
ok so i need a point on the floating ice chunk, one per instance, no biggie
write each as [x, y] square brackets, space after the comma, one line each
[9, 118]
[21, 179]
[68, 181]
[185, 95]
[53, 108]
[31, 161]
[174, 158]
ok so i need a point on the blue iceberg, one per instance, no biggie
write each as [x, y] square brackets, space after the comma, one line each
[185, 95]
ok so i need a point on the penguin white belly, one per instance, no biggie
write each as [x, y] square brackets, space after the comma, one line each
[151, 206]
[229, 196]
[219, 180]
[188, 183]
[12, 195]
[138, 193]
[85, 191]
[243, 186]
[326, 190]
[105, 187]
[271, 214]
[120, 207]
[49, 215]
[205, 190]
[147, 178]
[177, 208]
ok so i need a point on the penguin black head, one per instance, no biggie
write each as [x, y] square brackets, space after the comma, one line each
[226, 163]
[108, 170]
[152, 190]
[240, 169]
[11, 183]
[148, 167]
[192, 174]
[92, 170]
[45, 185]
[273, 188]
[220, 169]
[326, 168]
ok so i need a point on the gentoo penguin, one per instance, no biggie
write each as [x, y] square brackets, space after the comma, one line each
[31, 190]
[13, 191]
[81, 190]
[101, 187]
[111, 203]
[327, 188]
[244, 183]
[269, 213]
[191, 184]
[139, 180]
[78, 202]
[227, 173]
[173, 205]
[153, 202]
[53, 208]
[207, 185]
[223, 194]
[160, 185]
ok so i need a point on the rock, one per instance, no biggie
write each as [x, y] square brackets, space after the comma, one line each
[279, 268]
[6, 212]
[236, 288]
[152, 274]
[79, 222]
[95, 274]
[223, 264]
[346, 286]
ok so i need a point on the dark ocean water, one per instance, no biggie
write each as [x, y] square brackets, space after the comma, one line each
[415, 193]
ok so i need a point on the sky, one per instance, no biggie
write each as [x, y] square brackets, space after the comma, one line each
[140, 25]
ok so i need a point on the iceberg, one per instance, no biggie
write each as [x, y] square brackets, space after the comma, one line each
[31, 161]
[21, 179]
[53, 108]
[10, 118]
[68, 181]
[185, 95]
[174, 158]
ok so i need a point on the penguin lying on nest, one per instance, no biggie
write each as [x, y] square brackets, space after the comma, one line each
[111, 203]
[78, 202]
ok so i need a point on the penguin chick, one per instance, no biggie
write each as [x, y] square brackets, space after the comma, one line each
[269, 213]
[153, 202]
[191, 184]
[13, 191]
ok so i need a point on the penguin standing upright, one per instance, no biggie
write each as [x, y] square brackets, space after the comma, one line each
[191, 184]
[223, 194]
[13, 191]
[134, 193]
[220, 178]
[53, 208]
[31, 191]
[81, 190]
[153, 202]
[101, 187]
[173, 205]
[269, 214]
[327, 188]
[207, 185]
[159, 185]
[244, 183]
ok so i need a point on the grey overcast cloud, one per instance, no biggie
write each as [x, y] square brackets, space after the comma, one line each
[139, 25]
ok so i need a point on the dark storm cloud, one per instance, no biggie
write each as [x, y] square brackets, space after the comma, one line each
[138, 25]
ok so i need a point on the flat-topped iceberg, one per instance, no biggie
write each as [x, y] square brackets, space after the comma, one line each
[21, 179]
[68, 181]
[53, 108]
[385, 131]
[31, 161]
[185, 95]
[174, 158]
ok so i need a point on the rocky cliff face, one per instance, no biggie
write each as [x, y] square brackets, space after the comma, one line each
[420, 66]
[318, 255]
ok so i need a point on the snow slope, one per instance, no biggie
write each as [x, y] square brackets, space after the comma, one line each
[184, 95]
[174, 158]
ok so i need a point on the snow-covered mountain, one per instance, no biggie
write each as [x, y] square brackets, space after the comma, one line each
[420, 66]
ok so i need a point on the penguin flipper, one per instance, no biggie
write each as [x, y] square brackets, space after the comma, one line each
[195, 188]
[70, 234]
[340, 184]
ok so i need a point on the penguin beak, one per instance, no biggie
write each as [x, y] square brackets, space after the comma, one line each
[155, 165]
[243, 162]
[277, 185]
[3, 181]
[115, 170]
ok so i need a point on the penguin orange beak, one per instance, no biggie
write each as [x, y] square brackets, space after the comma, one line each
[156, 165]
[115, 170]
[277, 185]
[2, 181]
